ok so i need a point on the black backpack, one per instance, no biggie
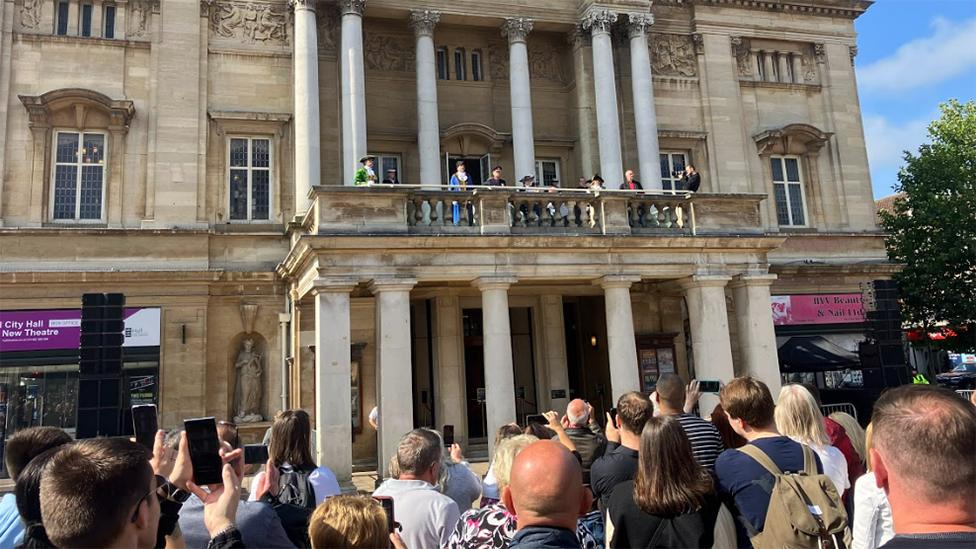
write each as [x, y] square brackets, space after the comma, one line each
[294, 503]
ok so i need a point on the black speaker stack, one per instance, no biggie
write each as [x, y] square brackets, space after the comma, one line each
[100, 365]
[882, 355]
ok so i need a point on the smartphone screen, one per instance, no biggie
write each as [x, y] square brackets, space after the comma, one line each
[709, 386]
[204, 450]
[387, 503]
[536, 418]
[144, 424]
[255, 453]
[613, 415]
[448, 436]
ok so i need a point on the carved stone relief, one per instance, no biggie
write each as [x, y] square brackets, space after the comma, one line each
[30, 14]
[498, 61]
[389, 53]
[250, 22]
[139, 15]
[673, 55]
[327, 23]
[545, 62]
[743, 58]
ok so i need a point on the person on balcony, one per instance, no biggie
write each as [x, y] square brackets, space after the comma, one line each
[630, 184]
[596, 183]
[459, 182]
[496, 178]
[366, 175]
[690, 180]
[391, 177]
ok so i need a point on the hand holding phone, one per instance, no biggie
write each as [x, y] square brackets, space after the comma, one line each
[709, 386]
[536, 418]
[145, 424]
[387, 503]
[448, 436]
[255, 453]
[201, 433]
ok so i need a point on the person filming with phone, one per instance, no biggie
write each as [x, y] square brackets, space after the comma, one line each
[619, 463]
[690, 179]
[706, 441]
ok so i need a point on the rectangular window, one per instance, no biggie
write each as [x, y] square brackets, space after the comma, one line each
[788, 191]
[547, 172]
[62, 18]
[476, 71]
[86, 19]
[386, 162]
[79, 176]
[442, 71]
[672, 166]
[108, 18]
[249, 160]
[460, 67]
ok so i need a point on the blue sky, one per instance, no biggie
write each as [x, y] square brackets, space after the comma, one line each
[912, 55]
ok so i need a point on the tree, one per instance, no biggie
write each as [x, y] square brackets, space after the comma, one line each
[932, 229]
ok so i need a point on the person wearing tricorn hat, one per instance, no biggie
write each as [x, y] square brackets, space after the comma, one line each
[366, 175]
[528, 181]
[596, 183]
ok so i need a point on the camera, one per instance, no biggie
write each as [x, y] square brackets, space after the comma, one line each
[677, 173]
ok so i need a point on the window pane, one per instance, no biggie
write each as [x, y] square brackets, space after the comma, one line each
[91, 192]
[260, 153]
[387, 163]
[782, 210]
[792, 170]
[442, 64]
[67, 147]
[238, 194]
[86, 19]
[667, 185]
[64, 191]
[548, 172]
[796, 204]
[678, 161]
[260, 194]
[94, 149]
[109, 19]
[459, 68]
[475, 66]
[238, 152]
[777, 165]
[62, 18]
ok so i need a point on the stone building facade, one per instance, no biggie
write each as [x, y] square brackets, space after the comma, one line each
[198, 157]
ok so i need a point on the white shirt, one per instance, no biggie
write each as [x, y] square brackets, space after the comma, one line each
[428, 517]
[374, 415]
[323, 482]
[489, 486]
[834, 466]
[873, 526]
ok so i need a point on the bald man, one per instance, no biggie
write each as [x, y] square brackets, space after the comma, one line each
[546, 492]
[583, 429]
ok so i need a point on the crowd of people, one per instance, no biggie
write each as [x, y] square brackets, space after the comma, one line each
[760, 474]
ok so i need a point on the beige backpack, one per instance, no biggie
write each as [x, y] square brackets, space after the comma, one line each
[804, 511]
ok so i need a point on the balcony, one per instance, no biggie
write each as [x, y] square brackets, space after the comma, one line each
[503, 211]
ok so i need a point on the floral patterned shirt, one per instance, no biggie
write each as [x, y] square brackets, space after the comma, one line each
[493, 527]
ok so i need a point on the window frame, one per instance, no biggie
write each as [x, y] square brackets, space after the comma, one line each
[672, 181]
[62, 17]
[477, 66]
[460, 54]
[801, 184]
[108, 23]
[250, 169]
[83, 20]
[381, 171]
[540, 173]
[443, 70]
[106, 162]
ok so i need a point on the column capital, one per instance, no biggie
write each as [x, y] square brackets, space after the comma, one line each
[494, 282]
[617, 281]
[336, 285]
[392, 284]
[705, 281]
[302, 4]
[753, 279]
[284, 318]
[598, 20]
[351, 7]
[516, 29]
[639, 24]
[423, 21]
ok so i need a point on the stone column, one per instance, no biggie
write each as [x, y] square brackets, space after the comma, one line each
[621, 342]
[554, 358]
[497, 335]
[784, 69]
[428, 127]
[353, 88]
[284, 320]
[711, 346]
[754, 327]
[599, 22]
[797, 60]
[307, 149]
[645, 117]
[768, 65]
[449, 370]
[523, 140]
[333, 385]
[394, 375]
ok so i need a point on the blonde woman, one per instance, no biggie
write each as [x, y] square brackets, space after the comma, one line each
[798, 417]
[854, 432]
[351, 522]
[872, 526]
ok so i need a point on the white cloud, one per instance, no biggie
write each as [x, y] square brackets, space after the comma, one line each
[948, 52]
[886, 142]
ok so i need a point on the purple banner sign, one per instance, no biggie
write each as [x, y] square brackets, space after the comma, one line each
[54, 329]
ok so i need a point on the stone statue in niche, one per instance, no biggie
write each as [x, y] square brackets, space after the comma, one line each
[140, 10]
[247, 406]
[249, 22]
[327, 20]
[30, 14]
[673, 55]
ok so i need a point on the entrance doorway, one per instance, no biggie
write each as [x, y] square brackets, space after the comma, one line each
[587, 359]
[478, 167]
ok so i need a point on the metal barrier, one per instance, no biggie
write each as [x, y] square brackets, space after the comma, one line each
[965, 393]
[845, 407]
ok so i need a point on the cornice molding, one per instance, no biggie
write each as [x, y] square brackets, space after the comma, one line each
[830, 8]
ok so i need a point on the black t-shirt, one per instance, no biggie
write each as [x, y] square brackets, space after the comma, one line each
[947, 540]
[618, 464]
[495, 182]
[632, 527]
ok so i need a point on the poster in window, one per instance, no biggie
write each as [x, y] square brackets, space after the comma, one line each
[665, 360]
[648, 366]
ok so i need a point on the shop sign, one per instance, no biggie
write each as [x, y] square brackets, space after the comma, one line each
[817, 309]
[142, 390]
[54, 329]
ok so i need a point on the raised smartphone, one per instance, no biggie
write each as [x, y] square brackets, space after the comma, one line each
[145, 424]
[201, 433]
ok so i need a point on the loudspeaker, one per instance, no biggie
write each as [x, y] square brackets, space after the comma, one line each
[100, 365]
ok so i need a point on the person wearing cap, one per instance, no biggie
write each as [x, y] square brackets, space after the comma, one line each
[596, 183]
[366, 175]
[496, 178]
[391, 177]
[630, 184]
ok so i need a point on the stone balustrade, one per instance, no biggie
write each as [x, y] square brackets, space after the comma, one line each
[406, 209]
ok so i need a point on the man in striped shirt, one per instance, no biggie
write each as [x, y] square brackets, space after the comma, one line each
[706, 442]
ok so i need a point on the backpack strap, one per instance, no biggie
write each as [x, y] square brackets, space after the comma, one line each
[809, 462]
[761, 457]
